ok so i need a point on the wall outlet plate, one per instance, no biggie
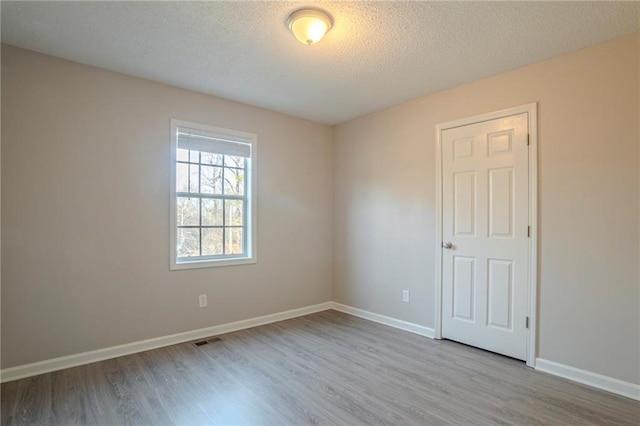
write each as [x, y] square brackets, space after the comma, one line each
[405, 296]
[202, 300]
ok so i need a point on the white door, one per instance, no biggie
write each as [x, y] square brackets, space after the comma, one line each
[485, 196]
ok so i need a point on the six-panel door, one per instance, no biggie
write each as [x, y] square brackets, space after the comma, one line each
[485, 195]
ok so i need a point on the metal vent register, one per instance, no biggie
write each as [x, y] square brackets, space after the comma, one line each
[207, 341]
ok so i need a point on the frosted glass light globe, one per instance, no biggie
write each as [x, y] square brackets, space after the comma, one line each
[309, 25]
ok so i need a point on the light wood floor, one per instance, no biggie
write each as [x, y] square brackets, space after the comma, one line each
[325, 368]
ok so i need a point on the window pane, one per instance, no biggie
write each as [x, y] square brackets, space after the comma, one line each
[233, 212]
[211, 241]
[210, 158]
[233, 181]
[232, 161]
[182, 155]
[211, 212]
[188, 242]
[188, 211]
[182, 177]
[233, 241]
[194, 178]
[211, 180]
[211, 198]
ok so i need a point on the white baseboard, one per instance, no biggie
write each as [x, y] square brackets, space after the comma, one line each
[49, 365]
[382, 319]
[620, 387]
[55, 364]
[599, 381]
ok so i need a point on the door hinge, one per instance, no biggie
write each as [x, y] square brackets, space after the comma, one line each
[528, 232]
[527, 139]
[526, 322]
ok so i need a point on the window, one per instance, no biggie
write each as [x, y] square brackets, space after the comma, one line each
[213, 185]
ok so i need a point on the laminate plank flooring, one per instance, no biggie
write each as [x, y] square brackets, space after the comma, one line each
[324, 368]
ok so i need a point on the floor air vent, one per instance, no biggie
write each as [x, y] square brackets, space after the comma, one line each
[207, 341]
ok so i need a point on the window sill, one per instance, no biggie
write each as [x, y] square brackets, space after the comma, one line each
[177, 266]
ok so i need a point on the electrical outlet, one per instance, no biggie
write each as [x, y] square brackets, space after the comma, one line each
[405, 296]
[202, 300]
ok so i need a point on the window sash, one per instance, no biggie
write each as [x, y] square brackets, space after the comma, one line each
[233, 143]
[245, 205]
[207, 195]
[199, 259]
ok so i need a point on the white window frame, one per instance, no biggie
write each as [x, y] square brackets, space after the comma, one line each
[250, 222]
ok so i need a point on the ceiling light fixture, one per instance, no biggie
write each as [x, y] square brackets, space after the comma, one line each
[309, 25]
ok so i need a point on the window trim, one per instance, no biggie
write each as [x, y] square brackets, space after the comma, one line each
[251, 222]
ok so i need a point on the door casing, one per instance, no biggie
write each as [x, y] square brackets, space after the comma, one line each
[532, 281]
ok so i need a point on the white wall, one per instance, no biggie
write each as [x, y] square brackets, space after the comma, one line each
[589, 304]
[85, 210]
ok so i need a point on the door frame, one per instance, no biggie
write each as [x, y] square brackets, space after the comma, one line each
[532, 284]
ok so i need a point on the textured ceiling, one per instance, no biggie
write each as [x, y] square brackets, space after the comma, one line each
[378, 54]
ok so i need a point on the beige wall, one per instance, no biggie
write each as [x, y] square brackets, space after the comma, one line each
[85, 210]
[588, 210]
[638, 101]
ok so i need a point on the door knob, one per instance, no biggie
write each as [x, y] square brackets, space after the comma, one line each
[448, 245]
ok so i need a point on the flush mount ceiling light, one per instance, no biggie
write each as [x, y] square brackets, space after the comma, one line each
[309, 25]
